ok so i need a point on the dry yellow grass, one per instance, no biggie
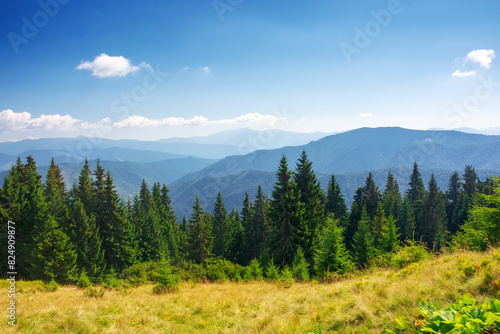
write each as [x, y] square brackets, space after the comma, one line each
[365, 304]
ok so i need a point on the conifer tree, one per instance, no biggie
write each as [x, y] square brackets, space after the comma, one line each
[118, 240]
[183, 235]
[378, 227]
[219, 226]
[200, 234]
[392, 197]
[416, 196]
[170, 222]
[406, 222]
[55, 194]
[285, 217]
[53, 257]
[248, 228]
[452, 195]
[331, 253]
[390, 237]
[335, 203]
[235, 242]
[311, 196]
[257, 229]
[88, 242]
[84, 189]
[372, 196]
[300, 266]
[363, 249]
[434, 214]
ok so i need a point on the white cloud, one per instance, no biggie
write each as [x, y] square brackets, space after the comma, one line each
[361, 114]
[140, 121]
[206, 70]
[459, 74]
[104, 66]
[483, 57]
[185, 68]
[12, 121]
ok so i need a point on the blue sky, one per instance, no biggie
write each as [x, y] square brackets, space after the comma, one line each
[154, 69]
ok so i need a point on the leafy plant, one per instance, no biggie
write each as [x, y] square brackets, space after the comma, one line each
[465, 316]
[166, 281]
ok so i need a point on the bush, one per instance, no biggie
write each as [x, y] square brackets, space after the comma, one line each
[83, 280]
[300, 266]
[94, 291]
[272, 272]
[51, 286]
[166, 281]
[253, 271]
[286, 278]
[140, 273]
[221, 270]
[411, 253]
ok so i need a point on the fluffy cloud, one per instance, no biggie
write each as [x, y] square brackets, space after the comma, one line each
[361, 114]
[483, 57]
[12, 121]
[459, 74]
[104, 66]
[206, 70]
[140, 121]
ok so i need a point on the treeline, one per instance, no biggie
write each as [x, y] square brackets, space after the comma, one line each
[90, 231]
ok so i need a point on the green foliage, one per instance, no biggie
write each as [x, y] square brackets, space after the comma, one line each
[272, 272]
[253, 271]
[300, 267]
[51, 286]
[140, 273]
[331, 254]
[286, 278]
[83, 280]
[200, 234]
[95, 291]
[165, 280]
[363, 242]
[464, 316]
[221, 270]
[412, 252]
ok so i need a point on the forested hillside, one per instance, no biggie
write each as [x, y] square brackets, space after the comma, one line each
[89, 230]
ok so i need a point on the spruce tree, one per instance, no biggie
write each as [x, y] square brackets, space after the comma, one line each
[378, 227]
[406, 221]
[84, 189]
[452, 194]
[219, 226]
[416, 196]
[392, 197]
[390, 236]
[55, 194]
[53, 257]
[331, 253]
[200, 234]
[311, 196]
[88, 242]
[363, 249]
[287, 227]
[434, 214]
[372, 196]
[235, 243]
[257, 228]
[335, 203]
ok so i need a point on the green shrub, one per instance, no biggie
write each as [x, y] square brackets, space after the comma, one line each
[140, 273]
[166, 281]
[411, 253]
[51, 286]
[83, 280]
[272, 272]
[466, 268]
[253, 271]
[221, 270]
[300, 266]
[94, 291]
[286, 278]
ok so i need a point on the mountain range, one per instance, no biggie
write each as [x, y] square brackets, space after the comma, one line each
[232, 162]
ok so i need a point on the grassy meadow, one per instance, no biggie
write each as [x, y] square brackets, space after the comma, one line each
[367, 303]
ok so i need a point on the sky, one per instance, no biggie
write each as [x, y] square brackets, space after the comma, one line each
[156, 69]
